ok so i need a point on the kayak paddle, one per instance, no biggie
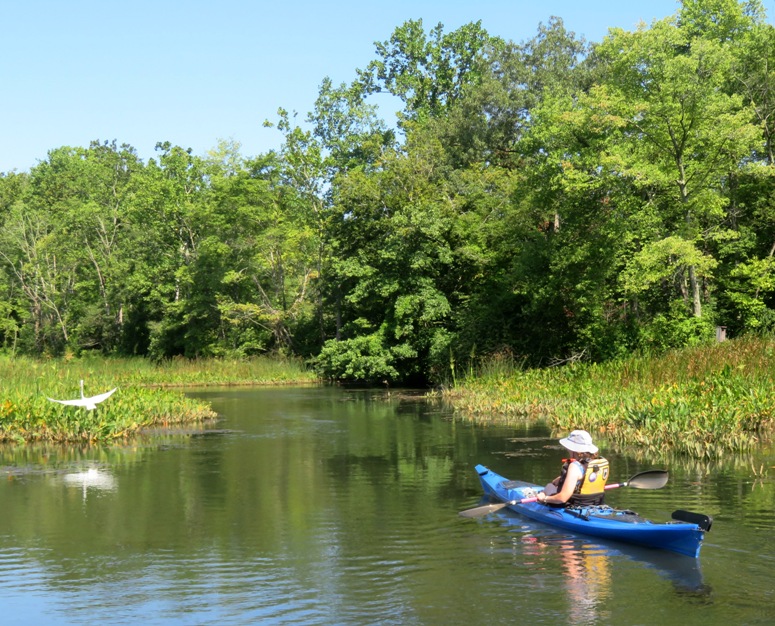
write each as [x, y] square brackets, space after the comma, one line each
[650, 479]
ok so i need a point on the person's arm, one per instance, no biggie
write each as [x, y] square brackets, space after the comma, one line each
[568, 487]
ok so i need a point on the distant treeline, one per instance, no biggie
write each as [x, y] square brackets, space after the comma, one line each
[551, 200]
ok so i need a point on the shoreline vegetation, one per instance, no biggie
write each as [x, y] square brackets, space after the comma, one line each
[149, 395]
[705, 402]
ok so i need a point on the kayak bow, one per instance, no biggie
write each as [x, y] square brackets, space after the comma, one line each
[683, 535]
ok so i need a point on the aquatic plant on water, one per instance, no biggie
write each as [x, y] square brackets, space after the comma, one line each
[149, 394]
[703, 401]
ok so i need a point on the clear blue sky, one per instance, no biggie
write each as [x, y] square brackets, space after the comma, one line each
[193, 72]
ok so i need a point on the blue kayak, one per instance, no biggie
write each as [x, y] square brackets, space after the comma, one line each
[677, 535]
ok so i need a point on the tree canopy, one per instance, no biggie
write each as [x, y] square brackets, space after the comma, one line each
[548, 200]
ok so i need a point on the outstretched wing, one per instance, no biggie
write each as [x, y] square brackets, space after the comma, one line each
[77, 402]
[101, 397]
[90, 403]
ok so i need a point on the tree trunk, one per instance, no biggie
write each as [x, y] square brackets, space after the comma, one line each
[695, 287]
[694, 284]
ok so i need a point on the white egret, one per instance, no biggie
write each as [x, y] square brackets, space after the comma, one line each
[89, 403]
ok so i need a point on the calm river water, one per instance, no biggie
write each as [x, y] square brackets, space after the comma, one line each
[327, 506]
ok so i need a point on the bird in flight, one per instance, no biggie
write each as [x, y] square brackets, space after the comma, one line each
[89, 403]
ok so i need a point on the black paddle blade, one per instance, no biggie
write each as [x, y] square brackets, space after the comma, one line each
[702, 520]
[650, 479]
[484, 510]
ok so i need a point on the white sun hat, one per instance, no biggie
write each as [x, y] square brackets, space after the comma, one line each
[579, 441]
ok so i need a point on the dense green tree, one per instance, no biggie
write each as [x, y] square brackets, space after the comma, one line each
[428, 72]
[682, 133]
[62, 244]
[268, 297]
[517, 302]
[393, 254]
[546, 200]
[13, 311]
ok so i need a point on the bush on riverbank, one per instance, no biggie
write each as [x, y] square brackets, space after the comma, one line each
[702, 401]
[146, 398]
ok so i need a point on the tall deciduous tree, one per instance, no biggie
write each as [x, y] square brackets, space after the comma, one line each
[13, 311]
[63, 243]
[681, 131]
[428, 72]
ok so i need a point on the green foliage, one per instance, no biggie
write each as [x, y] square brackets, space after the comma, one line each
[145, 397]
[428, 72]
[667, 331]
[704, 402]
[365, 358]
[664, 261]
[554, 200]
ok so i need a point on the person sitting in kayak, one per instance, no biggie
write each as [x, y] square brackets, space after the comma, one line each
[583, 477]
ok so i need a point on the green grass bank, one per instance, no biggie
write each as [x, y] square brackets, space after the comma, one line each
[149, 395]
[705, 401]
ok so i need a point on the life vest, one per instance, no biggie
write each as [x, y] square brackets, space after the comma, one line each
[590, 489]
